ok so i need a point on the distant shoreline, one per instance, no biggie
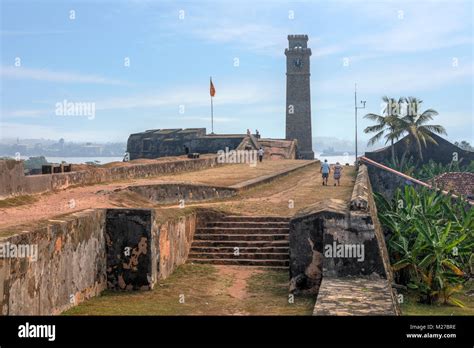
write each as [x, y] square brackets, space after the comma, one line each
[337, 153]
[78, 159]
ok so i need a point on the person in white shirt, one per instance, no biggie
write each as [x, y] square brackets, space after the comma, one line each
[260, 154]
[325, 169]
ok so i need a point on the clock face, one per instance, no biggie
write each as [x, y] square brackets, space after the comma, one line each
[298, 63]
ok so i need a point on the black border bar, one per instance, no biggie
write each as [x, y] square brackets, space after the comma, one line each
[208, 330]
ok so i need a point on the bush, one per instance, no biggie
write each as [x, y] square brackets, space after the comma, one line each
[430, 241]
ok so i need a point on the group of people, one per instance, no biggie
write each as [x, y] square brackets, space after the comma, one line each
[326, 169]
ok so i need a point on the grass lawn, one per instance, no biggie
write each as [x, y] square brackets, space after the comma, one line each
[207, 290]
[412, 307]
[17, 201]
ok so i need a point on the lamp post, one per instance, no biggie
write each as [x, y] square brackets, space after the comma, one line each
[356, 108]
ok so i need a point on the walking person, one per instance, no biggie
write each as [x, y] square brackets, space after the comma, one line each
[337, 174]
[325, 169]
[260, 154]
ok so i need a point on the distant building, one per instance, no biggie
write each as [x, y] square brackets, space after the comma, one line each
[157, 143]
[91, 150]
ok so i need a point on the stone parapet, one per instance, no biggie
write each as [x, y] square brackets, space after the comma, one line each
[14, 182]
[332, 242]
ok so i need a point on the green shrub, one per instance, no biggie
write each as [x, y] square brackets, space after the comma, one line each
[430, 241]
[428, 170]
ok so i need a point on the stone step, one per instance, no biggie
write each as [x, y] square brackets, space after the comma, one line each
[244, 256]
[241, 237]
[240, 243]
[241, 230]
[238, 218]
[243, 262]
[248, 224]
[242, 250]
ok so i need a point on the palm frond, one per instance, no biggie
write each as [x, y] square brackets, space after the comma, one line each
[375, 138]
[425, 136]
[375, 117]
[375, 128]
[438, 129]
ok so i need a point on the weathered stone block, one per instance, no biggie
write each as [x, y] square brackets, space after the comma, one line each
[66, 268]
[306, 247]
[128, 247]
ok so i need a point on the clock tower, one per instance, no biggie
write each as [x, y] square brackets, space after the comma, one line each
[298, 95]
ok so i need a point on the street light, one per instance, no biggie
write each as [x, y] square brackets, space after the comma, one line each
[355, 108]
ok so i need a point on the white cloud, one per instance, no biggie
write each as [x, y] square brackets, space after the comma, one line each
[194, 96]
[395, 79]
[31, 33]
[207, 119]
[411, 36]
[255, 37]
[327, 50]
[25, 113]
[425, 26]
[54, 76]
[459, 125]
[248, 93]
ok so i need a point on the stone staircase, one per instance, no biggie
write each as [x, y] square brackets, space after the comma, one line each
[243, 240]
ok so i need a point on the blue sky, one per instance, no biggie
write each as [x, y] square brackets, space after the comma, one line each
[394, 48]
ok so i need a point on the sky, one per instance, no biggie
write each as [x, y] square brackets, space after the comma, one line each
[146, 64]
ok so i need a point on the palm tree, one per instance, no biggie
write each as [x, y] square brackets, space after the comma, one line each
[387, 123]
[464, 145]
[415, 125]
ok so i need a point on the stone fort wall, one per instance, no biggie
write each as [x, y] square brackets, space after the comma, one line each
[326, 223]
[80, 255]
[69, 266]
[13, 182]
[157, 143]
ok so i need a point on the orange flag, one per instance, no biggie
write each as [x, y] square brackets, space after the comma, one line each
[212, 90]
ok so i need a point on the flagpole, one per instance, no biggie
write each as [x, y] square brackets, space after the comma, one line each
[212, 113]
[212, 118]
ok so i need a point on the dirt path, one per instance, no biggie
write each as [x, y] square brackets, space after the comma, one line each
[208, 290]
[57, 203]
[75, 199]
[240, 275]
